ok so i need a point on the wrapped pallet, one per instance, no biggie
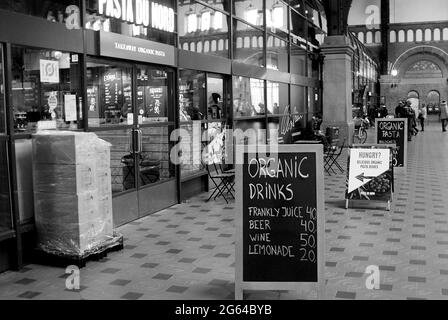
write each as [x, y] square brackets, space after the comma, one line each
[72, 193]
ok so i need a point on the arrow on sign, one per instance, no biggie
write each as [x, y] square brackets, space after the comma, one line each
[362, 177]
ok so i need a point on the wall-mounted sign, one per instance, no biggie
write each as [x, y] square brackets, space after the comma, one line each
[119, 46]
[280, 219]
[49, 71]
[139, 12]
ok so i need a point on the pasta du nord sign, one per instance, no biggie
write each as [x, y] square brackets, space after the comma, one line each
[139, 12]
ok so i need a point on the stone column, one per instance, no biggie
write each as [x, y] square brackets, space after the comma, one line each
[338, 85]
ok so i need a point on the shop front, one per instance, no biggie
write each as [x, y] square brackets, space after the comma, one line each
[150, 78]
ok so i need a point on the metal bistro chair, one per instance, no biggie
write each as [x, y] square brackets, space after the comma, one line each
[224, 182]
[332, 154]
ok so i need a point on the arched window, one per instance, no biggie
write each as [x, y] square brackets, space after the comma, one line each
[369, 37]
[436, 34]
[401, 36]
[378, 37]
[428, 35]
[361, 36]
[227, 44]
[254, 42]
[239, 43]
[414, 98]
[185, 46]
[199, 46]
[445, 34]
[206, 46]
[410, 35]
[419, 35]
[192, 46]
[246, 42]
[260, 42]
[433, 101]
[213, 46]
[393, 36]
[413, 94]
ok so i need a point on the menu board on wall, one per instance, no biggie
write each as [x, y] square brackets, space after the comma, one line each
[112, 90]
[280, 222]
[394, 131]
[157, 102]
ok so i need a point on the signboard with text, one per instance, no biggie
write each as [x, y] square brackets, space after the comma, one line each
[280, 218]
[123, 47]
[370, 174]
[49, 71]
[394, 131]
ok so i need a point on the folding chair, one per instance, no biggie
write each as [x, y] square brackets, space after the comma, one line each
[223, 181]
[331, 157]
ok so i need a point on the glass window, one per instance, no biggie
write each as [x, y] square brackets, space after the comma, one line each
[109, 94]
[2, 96]
[190, 148]
[153, 103]
[297, 5]
[298, 100]
[250, 11]
[251, 51]
[155, 164]
[298, 60]
[277, 17]
[277, 54]
[204, 25]
[51, 10]
[5, 209]
[277, 98]
[121, 159]
[156, 21]
[250, 131]
[192, 100]
[218, 4]
[45, 90]
[216, 107]
[298, 25]
[248, 97]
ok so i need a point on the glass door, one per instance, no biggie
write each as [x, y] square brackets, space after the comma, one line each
[156, 183]
[6, 225]
[131, 107]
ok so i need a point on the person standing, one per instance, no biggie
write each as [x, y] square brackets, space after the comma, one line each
[444, 114]
[423, 115]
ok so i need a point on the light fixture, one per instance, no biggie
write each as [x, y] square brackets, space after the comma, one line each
[394, 73]
[251, 14]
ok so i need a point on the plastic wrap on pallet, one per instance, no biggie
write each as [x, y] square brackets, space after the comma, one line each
[63, 147]
[70, 224]
[64, 179]
[73, 209]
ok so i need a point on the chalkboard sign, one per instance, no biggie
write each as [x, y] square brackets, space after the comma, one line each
[394, 131]
[370, 174]
[280, 225]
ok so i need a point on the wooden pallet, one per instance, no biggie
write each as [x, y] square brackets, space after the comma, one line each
[62, 260]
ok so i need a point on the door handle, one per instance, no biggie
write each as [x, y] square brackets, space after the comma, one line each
[140, 140]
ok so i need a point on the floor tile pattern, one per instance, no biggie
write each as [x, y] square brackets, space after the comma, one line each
[187, 251]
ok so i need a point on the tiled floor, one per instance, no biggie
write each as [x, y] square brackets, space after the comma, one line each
[187, 251]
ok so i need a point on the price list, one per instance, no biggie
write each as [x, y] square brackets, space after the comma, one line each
[280, 238]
